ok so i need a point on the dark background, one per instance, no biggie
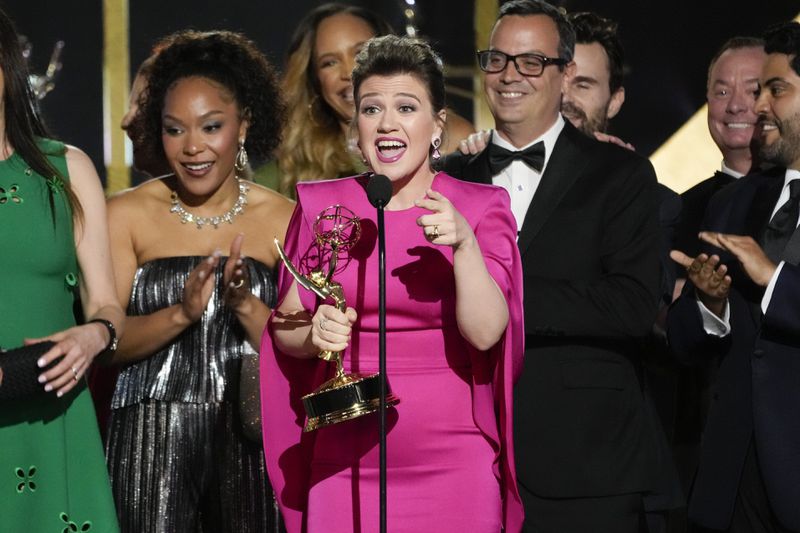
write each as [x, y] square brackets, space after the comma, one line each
[668, 46]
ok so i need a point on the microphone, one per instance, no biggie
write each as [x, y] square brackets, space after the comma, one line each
[379, 190]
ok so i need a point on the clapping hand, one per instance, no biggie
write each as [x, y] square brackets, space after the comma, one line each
[235, 276]
[754, 261]
[709, 277]
[199, 287]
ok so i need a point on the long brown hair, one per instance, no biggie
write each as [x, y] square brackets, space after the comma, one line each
[313, 145]
[23, 124]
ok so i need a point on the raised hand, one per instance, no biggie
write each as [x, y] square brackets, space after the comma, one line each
[199, 287]
[331, 328]
[445, 225]
[754, 261]
[235, 277]
[475, 143]
[709, 277]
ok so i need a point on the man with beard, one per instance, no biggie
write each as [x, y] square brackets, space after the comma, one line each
[588, 236]
[595, 94]
[740, 305]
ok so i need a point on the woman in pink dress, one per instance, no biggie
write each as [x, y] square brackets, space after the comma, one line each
[454, 329]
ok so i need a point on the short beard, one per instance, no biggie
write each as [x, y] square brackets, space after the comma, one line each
[588, 125]
[786, 150]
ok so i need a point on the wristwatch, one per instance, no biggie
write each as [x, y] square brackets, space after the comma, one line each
[111, 347]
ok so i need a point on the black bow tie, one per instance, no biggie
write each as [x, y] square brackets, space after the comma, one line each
[500, 158]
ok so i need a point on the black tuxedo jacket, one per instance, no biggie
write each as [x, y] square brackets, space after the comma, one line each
[590, 255]
[757, 388]
[695, 202]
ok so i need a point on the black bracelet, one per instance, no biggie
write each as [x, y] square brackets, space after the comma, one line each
[111, 347]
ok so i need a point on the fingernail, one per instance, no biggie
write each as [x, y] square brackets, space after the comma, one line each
[59, 394]
[41, 362]
[217, 252]
[42, 379]
[48, 388]
[201, 275]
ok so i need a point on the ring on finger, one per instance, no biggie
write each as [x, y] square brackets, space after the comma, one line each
[238, 284]
[322, 324]
[435, 232]
[74, 374]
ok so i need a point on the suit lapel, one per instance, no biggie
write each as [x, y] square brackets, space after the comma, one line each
[563, 168]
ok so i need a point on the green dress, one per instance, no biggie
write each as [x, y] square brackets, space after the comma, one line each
[53, 476]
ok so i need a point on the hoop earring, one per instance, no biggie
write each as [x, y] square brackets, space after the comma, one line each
[436, 153]
[240, 163]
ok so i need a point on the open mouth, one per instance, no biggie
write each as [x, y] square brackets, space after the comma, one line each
[390, 150]
[197, 168]
[739, 125]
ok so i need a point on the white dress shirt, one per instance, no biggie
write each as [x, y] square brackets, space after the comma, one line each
[520, 180]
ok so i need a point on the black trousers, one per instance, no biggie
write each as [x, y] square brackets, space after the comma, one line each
[607, 514]
[752, 512]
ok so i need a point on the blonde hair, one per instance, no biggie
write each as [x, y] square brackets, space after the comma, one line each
[314, 146]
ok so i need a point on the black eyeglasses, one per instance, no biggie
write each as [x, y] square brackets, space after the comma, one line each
[494, 61]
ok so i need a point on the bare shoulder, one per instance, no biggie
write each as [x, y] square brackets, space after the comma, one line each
[270, 203]
[142, 198]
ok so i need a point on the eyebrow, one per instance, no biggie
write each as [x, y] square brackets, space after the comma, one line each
[774, 80]
[202, 117]
[589, 79]
[409, 95]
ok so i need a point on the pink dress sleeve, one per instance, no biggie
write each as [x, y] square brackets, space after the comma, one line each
[494, 376]
[284, 380]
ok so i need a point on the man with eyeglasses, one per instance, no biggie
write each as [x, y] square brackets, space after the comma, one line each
[589, 239]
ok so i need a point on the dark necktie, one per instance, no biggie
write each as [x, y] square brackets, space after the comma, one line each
[500, 158]
[783, 224]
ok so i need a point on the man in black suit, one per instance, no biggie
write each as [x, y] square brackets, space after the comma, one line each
[730, 93]
[741, 307]
[588, 235]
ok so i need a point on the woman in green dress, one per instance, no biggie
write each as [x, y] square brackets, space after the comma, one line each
[54, 242]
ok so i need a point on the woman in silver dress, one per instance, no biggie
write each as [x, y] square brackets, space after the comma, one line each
[177, 454]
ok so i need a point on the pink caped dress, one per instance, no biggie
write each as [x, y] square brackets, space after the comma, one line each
[449, 443]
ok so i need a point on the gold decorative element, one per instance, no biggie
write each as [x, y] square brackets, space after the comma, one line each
[228, 216]
[346, 396]
[116, 82]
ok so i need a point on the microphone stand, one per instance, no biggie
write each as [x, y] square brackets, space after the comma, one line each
[382, 360]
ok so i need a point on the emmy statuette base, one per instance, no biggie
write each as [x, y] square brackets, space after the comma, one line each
[344, 398]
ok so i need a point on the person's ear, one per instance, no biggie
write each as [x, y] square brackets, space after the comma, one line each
[617, 99]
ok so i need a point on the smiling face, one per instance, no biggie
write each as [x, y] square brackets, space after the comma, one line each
[588, 103]
[778, 108]
[524, 107]
[732, 88]
[201, 128]
[339, 38]
[396, 126]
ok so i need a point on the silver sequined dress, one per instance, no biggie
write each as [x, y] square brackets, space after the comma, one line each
[177, 455]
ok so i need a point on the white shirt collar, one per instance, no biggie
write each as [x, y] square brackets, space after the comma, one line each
[549, 138]
[729, 171]
[791, 174]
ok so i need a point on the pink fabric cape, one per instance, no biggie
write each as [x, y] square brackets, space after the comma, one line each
[285, 379]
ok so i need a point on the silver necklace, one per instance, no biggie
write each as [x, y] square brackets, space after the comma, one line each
[199, 222]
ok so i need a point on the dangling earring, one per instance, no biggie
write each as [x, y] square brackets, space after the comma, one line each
[240, 164]
[436, 154]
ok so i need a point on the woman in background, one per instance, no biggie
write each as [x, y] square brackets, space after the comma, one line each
[177, 452]
[55, 242]
[319, 93]
[454, 329]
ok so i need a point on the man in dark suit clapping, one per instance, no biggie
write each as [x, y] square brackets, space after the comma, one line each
[589, 239]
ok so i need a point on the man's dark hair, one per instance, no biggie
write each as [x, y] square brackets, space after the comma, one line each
[734, 43]
[592, 28]
[784, 38]
[566, 35]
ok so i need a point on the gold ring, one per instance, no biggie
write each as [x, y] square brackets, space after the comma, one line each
[435, 232]
[238, 284]
[74, 374]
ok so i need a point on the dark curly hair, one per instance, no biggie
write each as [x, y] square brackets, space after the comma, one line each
[227, 58]
[784, 38]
